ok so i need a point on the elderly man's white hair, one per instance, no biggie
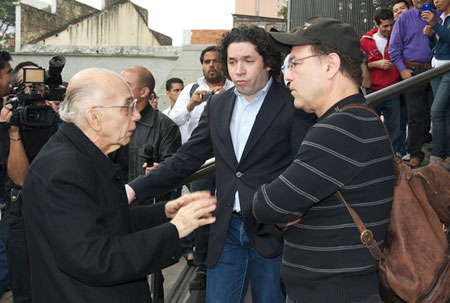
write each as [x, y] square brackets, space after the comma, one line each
[85, 90]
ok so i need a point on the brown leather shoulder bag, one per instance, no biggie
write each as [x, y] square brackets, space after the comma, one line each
[414, 265]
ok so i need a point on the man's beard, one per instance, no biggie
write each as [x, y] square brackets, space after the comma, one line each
[216, 79]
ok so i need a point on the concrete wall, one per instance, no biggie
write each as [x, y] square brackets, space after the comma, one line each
[120, 25]
[35, 22]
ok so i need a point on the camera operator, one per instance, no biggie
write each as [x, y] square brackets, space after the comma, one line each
[5, 76]
[24, 144]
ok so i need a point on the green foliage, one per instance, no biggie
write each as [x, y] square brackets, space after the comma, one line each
[283, 11]
[7, 17]
[47, 9]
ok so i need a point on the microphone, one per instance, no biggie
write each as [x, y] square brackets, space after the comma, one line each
[148, 154]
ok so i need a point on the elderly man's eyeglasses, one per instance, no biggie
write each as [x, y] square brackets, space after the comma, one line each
[131, 107]
[293, 62]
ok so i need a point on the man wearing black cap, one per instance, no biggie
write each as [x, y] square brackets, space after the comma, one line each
[346, 150]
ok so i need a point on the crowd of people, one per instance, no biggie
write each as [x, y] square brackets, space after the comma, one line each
[91, 201]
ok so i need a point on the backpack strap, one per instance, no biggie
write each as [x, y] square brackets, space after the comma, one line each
[193, 89]
[366, 235]
[367, 108]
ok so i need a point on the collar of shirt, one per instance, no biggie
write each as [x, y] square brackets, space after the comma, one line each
[259, 96]
[241, 124]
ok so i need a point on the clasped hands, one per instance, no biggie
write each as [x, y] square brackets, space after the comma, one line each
[188, 212]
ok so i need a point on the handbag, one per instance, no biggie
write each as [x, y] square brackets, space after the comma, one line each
[414, 265]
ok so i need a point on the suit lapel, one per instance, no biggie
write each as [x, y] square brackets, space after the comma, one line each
[272, 104]
[224, 122]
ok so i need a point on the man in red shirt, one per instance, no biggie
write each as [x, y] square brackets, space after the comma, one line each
[382, 71]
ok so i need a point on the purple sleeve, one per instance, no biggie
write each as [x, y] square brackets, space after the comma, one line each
[396, 46]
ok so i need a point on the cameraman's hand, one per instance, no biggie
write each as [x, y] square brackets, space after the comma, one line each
[6, 113]
[196, 99]
[191, 211]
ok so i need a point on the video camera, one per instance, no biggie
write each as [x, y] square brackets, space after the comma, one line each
[37, 86]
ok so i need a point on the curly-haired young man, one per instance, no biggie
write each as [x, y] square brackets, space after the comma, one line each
[254, 131]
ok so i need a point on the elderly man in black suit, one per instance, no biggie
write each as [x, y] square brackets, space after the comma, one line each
[85, 244]
[254, 131]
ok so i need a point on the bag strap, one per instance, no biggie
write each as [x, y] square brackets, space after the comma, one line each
[367, 108]
[366, 235]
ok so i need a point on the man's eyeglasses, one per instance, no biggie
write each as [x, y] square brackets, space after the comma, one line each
[293, 62]
[131, 107]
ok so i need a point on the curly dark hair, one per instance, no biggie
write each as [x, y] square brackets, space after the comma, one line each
[260, 39]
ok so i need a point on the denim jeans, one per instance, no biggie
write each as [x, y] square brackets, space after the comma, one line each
[440, 116]
[391, 114]
[240, 264]
[403, 143]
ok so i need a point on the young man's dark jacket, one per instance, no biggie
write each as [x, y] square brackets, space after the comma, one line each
[273, 141]
[85, 244]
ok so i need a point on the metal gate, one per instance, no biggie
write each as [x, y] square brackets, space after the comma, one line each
[358, 13]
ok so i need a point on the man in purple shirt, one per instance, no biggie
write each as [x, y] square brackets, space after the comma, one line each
[411, 55]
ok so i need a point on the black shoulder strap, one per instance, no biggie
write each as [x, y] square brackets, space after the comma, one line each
[193, 89]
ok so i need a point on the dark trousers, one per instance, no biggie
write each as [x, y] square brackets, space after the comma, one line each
[417, 103]
[13, 230]
[201, 234]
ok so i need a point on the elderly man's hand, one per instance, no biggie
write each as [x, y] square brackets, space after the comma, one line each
[191, 211]
[131, 195]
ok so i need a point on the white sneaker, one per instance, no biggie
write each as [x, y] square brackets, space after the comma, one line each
[407, 157]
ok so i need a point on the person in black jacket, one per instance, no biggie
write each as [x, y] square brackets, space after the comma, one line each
[254, 131]
[85, 244]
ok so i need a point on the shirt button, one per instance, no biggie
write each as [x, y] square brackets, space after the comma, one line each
[239, 174]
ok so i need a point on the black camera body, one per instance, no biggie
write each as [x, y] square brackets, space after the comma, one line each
[206, 95]
[26, 112]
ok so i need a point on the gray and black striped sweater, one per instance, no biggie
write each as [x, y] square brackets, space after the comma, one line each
[323, 257]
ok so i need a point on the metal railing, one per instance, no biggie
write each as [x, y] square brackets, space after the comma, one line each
[402, 86]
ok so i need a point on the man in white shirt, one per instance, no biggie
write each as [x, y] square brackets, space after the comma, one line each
[190, 104]
[174, 86]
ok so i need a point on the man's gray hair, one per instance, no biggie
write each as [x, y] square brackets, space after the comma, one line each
[77, 100]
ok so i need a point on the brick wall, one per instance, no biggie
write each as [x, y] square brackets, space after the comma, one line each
[207, 36]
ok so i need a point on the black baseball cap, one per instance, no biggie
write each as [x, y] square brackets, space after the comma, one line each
[321, 30]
